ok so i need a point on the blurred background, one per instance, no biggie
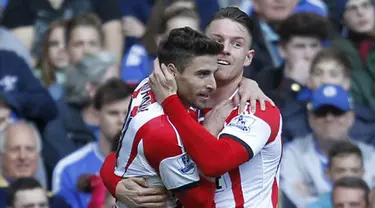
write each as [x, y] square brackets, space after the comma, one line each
[68, 68]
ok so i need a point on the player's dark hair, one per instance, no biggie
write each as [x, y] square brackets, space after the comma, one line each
[84, 20]
[111, 91]
[332, 54]
[236, 15]
[21, 185]
[354, 183]
[184, 44]
[305, 24]
[343, 148]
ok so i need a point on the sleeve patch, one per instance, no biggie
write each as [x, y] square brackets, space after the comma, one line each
[186, 164]
[178, 171]
[242, 123]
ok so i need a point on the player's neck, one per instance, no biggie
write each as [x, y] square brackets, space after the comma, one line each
[105, 146]
[224, 92]
[90, 115]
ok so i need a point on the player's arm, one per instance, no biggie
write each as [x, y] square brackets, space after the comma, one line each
[110, 179]
[133, 192]
[177, 171]
[215, 157]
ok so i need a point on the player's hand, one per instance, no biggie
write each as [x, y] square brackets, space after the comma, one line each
[215, 119]
[162, 82]
[134, 192]
[250, 91]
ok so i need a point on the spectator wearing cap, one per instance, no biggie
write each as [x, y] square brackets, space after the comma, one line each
[330, 66]
[77, 121]
[111, 101]
[330, 114]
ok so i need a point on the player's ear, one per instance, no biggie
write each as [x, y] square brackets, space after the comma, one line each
[249, 57]
[172, 69]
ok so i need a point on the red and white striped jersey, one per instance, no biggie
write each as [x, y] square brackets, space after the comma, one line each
[150, 146]
[255, 183]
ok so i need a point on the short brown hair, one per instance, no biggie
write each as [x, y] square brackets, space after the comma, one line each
[332, 54]
[111, 91]
[236, 15]
[184, 44]
[88, 20]
[353, 183]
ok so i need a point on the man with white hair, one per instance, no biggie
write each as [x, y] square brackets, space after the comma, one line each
[20, 146]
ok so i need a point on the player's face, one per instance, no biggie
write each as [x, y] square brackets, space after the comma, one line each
[348, 165]
[331, 124]
[84, 40]
[274, 10]
[33, 198]
[111, 117]
[349, 198]
[359, 16]
[236, 54]
[197, 82]
[328, 72]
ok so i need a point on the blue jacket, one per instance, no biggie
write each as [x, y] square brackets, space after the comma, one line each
[67, 133]
[23, 92]
[136, 65]
[86, 160]
[324, 201]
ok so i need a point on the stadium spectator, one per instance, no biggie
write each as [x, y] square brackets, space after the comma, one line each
[111, 101]
[84, 36]
[372, 198]
[330, 66]
[20, 147]
[265, 41]
[344, 160]
[77, 121]
[54, 59]
[27, 192]
[301, 37]
[316, 6]
[330, 114]
[21, 92]
[350, 192]
[137, 63]
[29, 20]
[138, 13]
[358, 16]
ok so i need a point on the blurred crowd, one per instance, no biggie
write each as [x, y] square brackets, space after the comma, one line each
[68, 68]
